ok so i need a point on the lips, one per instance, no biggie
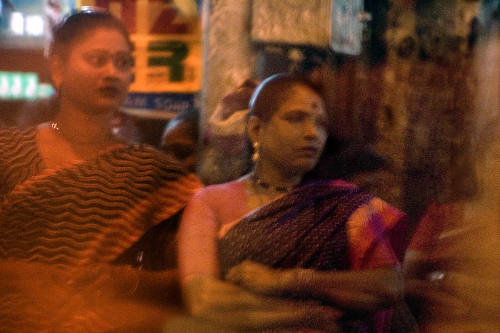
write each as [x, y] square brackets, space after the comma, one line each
[309, 151]
[109, 91]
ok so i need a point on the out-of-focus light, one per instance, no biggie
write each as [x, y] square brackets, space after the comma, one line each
[34, 25]
[21, 85]
[4, 87]
[17, 23]
[45, 90]
[16, 88]
[31, 86]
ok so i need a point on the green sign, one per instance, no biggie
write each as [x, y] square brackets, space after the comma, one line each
[18, 85]
[173, 54]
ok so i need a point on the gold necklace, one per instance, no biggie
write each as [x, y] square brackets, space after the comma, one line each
[264, 192]
[257, 192]
[265, 185]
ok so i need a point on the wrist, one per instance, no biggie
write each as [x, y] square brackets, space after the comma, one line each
[300, 281]
[286, 281]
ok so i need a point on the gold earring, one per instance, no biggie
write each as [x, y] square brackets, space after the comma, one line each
[256, 154]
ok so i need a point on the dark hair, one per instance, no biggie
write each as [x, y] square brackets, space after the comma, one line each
[273, 91]
[78, 24]
[191, 115]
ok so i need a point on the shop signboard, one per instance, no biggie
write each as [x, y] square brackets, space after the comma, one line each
[347, 26]
[158, 105]
[166, 63]
[337, 24]
[291, 22]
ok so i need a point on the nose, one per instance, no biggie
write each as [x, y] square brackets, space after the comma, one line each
[111, 69]
[311, 130]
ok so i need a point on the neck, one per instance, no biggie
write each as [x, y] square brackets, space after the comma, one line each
[78, 126]
[275, 179]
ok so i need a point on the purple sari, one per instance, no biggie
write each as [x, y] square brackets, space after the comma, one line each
[305, 228]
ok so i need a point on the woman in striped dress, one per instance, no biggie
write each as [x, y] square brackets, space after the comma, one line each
[75, 198]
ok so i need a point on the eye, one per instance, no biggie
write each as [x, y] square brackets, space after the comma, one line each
[294, 117]
[123, 61]
[96, 59]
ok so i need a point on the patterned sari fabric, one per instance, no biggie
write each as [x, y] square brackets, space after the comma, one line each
[86, 214]
[90, 212]
[303, 229]
[312, 227]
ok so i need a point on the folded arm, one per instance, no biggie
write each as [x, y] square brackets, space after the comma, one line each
[364, 290]
[207, 297]
[231, 306]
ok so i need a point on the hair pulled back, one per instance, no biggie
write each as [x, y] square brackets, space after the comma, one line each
[271, 93]
[78, 25]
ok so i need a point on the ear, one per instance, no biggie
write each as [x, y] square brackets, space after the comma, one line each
[253, 128]
[56, 66]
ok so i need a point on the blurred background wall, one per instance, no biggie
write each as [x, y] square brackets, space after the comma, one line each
[402, 81]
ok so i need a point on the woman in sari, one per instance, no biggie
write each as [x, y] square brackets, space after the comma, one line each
[75, 198]
[272, 250]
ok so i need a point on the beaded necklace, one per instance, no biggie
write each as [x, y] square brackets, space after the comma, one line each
[265, 185]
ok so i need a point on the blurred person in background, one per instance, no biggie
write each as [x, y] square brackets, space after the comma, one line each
[223, 157]
[180, 138]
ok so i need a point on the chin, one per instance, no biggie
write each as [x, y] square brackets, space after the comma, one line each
[101, 109]
[303, 168]
[307, 164]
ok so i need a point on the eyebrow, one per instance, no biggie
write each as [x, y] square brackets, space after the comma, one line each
[297, 111]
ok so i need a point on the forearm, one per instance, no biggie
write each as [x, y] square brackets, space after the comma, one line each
[115, 281]
[367, 290]
[161, 286]
[231, 306]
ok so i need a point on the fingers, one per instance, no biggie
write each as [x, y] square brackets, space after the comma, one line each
[291, 315]
[246, 268]
[296, 315]
[247, 273]
[212, 299]
[259, 279]
[205, 296]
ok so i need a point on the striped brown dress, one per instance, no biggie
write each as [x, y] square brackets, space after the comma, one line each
[86, 214]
